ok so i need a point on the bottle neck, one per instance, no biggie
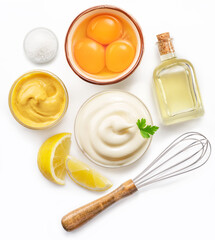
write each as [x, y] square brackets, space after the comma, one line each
[167, 56]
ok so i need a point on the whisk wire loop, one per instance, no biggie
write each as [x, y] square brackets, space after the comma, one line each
[188, 152]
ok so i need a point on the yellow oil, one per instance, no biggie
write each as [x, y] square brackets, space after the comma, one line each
[177, 91]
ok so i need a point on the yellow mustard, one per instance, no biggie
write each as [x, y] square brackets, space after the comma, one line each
[38, 99]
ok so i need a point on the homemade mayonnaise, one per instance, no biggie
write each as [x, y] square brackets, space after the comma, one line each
[38, 99]
[106, 130]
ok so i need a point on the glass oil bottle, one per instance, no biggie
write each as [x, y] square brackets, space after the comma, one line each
[176, 85]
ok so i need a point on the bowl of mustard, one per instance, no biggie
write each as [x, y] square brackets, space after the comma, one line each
[38, 99]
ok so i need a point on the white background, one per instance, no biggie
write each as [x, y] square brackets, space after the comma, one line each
[31, 207]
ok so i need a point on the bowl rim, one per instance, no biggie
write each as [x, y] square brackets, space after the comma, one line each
[79, 145]
[17, 81]
[124, 76]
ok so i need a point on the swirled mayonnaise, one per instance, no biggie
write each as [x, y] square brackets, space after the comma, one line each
[38, 99]
[106, 129]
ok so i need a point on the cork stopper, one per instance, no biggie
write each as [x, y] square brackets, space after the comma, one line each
[165, 45]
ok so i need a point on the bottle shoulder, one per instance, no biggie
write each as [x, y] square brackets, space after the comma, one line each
[187, 62]
[172, 63]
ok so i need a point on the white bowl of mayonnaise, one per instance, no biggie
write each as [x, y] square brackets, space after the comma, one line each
[106, 130]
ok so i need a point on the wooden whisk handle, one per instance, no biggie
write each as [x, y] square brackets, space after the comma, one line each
[83, 214]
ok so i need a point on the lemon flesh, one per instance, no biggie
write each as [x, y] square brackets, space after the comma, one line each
[52, 156]
[85, 176]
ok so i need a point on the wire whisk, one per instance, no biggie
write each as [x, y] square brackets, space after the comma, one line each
[186, 153]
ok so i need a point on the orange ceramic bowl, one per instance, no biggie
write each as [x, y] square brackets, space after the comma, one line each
[103, 9]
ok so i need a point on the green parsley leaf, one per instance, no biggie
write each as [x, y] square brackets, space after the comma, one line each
[141, 123]
[146, 130]
[144, 134]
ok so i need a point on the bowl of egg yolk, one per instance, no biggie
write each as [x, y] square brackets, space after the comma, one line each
[104, 45]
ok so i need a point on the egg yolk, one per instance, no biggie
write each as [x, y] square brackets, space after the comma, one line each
[104, 29]
[90, 55]
[119, 55]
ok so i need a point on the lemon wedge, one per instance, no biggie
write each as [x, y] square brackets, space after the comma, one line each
[52, 156]
[85, 176]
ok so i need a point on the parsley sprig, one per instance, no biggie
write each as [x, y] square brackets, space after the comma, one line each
[146, 130]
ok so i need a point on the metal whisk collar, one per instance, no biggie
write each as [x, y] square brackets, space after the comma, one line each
[188, 152]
